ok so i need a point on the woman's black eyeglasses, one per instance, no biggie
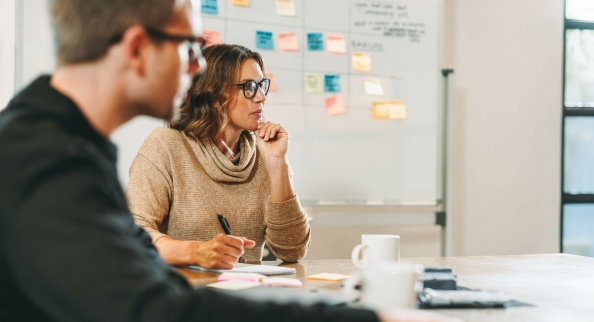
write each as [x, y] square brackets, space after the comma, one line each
[250, 88]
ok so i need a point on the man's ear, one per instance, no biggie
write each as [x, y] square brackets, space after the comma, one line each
[134, 45]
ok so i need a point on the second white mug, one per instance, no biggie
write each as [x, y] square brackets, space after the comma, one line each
[388, 285]
[376, 249]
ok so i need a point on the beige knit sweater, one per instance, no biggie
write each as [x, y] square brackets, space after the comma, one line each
[178, 185]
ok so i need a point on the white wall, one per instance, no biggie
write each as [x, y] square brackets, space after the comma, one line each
[508, 58]
[7, 54]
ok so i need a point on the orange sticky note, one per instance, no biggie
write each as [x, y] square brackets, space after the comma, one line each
[212, 37]
[328, 277]
[288, 41]
[393, 110]
[335, 105]
[335, 43]
[241, 3]
[361, 62]
[272, 82]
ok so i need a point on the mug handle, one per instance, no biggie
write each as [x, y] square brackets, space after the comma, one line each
[359, 262]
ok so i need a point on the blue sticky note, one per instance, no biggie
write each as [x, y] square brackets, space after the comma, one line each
[315, 41]
[210, 7]
[332, 83]
[264, 40]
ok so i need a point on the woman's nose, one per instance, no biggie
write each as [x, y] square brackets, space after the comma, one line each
[260, 96]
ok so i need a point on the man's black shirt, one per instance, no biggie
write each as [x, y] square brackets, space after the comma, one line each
[69, 247]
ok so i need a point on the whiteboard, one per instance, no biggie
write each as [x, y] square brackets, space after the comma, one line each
[349, 158]
[353, 158]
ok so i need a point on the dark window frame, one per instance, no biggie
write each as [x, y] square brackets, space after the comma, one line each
[566, 198]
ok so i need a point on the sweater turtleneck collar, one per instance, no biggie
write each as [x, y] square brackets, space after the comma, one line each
[221, 169]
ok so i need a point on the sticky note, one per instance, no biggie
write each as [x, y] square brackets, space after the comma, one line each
[393, 110]
[272, 82]
[328, 277]
[315, 41]
[210, 7]
[234, 285]
[374, 87]
[361, 62]
[264, 40]
[250, 277]
[314, 83]
[288, 41]
[332, 83]
[286, 8]
[334, 106]
[241, 3]
[335, 43]
[212, 37]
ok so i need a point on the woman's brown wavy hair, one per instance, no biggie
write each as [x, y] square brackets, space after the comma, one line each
[204, 113]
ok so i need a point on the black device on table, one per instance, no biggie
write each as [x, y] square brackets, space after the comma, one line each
[440, 290]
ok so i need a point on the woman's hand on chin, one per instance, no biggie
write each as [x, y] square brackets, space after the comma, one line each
[273, 140]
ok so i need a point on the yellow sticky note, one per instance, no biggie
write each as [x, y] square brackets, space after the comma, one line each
[374, 87]
[328, 277]
[335, 43]
[314, 83]
[241, 3]
[234, 285]
[212, 37]
[272, 82]
[286, 8]
[288, 41]
[361, 62]
[393, 110]
[334, 106]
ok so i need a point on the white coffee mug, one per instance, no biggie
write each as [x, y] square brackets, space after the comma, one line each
[376, 249]
[388, 285]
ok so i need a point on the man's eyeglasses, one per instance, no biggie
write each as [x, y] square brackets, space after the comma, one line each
[190, 47]
[250, 88]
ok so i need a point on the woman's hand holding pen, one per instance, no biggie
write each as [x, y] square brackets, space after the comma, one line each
[222, 252]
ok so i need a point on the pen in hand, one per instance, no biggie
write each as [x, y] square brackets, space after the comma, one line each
[225, 225]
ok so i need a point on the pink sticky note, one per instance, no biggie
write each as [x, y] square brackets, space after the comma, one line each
[225, 277]
[335, 43]
[282, 281]
[288, 41]
[335, 105]
[272, 82]
[212, 37]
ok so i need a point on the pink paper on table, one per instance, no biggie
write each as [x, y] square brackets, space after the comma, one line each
[212, 37]
[335, 43]
[288, 41]
[335, 105]
[282, 281]
[227, 277]
[272, 82]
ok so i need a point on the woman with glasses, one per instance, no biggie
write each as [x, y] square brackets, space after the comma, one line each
[220, 157]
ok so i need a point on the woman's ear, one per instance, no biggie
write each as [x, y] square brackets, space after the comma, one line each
[215, 104]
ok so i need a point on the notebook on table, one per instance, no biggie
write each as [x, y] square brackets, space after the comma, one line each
[250, 268]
